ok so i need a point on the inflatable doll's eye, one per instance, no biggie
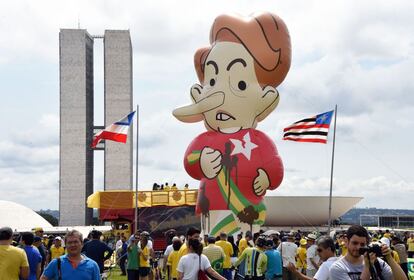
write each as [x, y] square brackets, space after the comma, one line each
[238, 85]
[242, 85]
[212, 82]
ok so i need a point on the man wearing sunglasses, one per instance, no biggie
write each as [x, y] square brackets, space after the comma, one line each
[326, 252]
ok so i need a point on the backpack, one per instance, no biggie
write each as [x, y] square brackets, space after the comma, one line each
[59, 268]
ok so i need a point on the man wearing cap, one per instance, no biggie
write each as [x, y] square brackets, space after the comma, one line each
[288, 250]
[97, 250]
[13, 261]
[37, 242]
[214, 254]
[312, 258]
[56, 250]
[301, 256]
[255, 261]
[274, 262]
[133, 258]
[228, 252]
[38, 232]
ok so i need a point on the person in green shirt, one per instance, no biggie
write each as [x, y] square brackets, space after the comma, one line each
[133, 260]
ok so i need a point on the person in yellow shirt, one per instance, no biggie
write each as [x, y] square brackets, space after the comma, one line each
[255, 260]
[38, 232]
[228, 252]
[144, 257]
[192, 233]
[244, 242]
[342, 245]
[410, 245]
[173, 260]
[56, 250]
[301, 256]
[387, 234]
[13, 261]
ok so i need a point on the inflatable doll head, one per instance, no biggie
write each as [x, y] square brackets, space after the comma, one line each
[239, 72]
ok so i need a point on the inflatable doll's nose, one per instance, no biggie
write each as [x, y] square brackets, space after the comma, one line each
[193, 112]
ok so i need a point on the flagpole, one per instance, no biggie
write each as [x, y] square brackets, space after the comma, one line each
[332, 166]
[136, 176]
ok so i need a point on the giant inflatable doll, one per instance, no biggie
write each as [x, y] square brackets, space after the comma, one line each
[235, 163]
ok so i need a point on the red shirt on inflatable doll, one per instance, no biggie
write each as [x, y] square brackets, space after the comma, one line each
[253, 150]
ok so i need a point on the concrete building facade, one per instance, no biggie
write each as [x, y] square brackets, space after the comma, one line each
[76, 126]
[77, 119]
[118, 102]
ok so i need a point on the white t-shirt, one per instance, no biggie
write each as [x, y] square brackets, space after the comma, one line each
[342, 269]
[118, 244]
[189, 265]
[288, 252]
[168, 250]
[149, 244]
[323, 271]
[311, 254]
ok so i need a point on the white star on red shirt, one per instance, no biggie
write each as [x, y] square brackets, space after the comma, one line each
[244, 147]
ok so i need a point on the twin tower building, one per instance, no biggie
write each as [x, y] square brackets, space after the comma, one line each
[77, 125]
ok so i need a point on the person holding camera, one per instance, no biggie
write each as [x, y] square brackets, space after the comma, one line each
[364, 262]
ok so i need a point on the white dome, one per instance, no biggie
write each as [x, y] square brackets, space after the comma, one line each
[19, 217]
[305, 210]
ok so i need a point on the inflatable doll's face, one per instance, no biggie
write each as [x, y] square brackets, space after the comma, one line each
[231, 98]
[229, 69]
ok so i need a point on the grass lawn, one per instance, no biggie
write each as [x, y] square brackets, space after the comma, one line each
[115, 274]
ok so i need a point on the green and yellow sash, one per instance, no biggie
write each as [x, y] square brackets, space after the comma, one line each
[237, 202]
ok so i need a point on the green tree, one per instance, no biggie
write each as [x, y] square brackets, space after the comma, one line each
[52, 220]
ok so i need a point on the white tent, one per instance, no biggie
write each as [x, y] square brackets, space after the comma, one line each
[19, 217]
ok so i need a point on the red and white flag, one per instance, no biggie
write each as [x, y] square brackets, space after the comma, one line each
[117, 131]
[314, 129]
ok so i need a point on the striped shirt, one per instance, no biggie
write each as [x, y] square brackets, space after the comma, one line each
[216, 256]
[255, 262]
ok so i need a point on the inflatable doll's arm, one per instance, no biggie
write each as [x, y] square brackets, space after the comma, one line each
[203, 164]
[192, 163]
[274, 170]
[271, 170]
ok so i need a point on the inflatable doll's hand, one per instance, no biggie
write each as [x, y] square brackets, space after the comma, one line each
[261, 182]
[210, 162]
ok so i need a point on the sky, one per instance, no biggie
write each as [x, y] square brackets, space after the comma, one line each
[356, 54]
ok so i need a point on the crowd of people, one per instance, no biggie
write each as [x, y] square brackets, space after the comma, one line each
[354, 254]
[166, 187]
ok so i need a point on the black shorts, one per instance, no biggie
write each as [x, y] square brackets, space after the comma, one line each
[144, 271]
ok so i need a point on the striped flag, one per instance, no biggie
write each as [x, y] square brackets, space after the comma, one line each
[314, 129]
[117, 131]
